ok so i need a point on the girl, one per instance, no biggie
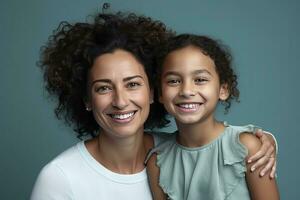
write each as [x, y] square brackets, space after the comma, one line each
[206, 158]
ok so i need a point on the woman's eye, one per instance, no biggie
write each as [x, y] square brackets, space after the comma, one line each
[133, 85]
[103, 89]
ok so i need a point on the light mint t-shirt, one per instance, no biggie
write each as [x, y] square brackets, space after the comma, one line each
[215, 171]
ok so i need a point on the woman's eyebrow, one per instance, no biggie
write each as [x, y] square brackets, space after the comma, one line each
[124, 79]
[101, 80]
[132, 77]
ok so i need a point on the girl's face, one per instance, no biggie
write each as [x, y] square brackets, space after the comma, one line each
[190, 85]
[119, 93]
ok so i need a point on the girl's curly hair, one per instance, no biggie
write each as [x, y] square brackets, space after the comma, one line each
[218, 52]
[72, 49]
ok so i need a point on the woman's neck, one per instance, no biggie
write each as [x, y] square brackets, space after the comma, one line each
[199, 134]
[120, 155]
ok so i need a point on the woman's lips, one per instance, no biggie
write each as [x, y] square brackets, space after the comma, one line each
[122, 117]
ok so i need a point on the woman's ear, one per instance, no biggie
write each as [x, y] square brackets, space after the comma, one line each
[224, 92]
[87, 103]
[160, 99]
[151, 96]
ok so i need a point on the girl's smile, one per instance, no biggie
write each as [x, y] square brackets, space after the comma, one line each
[188, 107]
[190, 85]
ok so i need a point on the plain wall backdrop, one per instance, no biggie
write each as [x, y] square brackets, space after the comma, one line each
[262, 34]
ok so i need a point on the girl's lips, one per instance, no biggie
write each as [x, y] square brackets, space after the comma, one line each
[188, 107]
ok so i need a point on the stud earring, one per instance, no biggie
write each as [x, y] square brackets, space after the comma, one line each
[151, 101]
[88, 109]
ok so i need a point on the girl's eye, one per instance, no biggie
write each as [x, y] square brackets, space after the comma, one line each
[173, 82]
[200, 80]
[103, 89]
[133, 85]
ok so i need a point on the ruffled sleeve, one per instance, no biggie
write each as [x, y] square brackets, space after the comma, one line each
[234, 154]
[161, 141]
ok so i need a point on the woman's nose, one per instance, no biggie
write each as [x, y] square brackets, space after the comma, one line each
[120, 99]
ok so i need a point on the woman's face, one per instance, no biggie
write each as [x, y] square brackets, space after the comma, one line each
[119, 94]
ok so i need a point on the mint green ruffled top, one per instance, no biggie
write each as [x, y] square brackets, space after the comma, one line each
[215, 171]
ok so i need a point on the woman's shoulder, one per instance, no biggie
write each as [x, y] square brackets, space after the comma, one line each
[71, 154]
[53, 180]
[64, 160]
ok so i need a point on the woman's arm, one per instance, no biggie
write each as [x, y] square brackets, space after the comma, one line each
[153, 176]
[260, 188]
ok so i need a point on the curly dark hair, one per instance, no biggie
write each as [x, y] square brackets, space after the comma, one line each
[72, 49]
[218, 52]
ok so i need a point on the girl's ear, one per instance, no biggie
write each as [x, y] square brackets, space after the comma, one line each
[224, 92]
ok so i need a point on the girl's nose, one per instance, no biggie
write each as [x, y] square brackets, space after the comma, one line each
[187, 90]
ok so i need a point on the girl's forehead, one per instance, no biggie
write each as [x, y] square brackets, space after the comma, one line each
[188, 59]
[188, 55]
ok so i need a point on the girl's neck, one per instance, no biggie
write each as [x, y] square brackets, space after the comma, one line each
[199, 134]
[120, 155]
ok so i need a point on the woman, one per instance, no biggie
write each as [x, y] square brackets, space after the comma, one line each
[101, 74]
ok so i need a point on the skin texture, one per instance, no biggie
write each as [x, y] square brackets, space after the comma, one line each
[260, 187]
[191, 90]
[120, 102]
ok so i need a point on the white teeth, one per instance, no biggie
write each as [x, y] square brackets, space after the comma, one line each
[123, 116]
[188, 106]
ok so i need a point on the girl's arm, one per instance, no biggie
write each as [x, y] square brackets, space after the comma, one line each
[153, 176]
[260, 188]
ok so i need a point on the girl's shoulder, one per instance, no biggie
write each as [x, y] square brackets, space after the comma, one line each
[239, 141]
[159, 138]
[250, 142]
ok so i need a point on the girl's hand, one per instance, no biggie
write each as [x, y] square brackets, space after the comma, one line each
[266, 154]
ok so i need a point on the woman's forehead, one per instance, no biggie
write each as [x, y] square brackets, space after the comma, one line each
[118, 64]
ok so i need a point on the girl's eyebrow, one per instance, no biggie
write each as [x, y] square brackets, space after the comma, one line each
[199, 71]
[110, 82]
[169, 73]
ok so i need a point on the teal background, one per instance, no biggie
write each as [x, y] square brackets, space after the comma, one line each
[264, 39]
